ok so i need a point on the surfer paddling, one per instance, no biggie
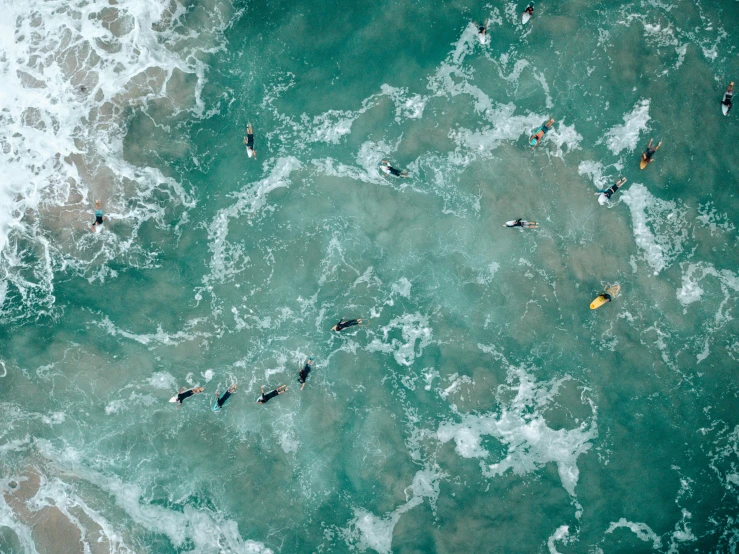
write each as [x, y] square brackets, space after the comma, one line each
[264, 398]
[606, 194]
[387, 169]
[249, 141]
[303, 374]
[727, 98]
[529, 11]
[222, 399]
[482, 30]
[646, 157]
[187, 394]
[99, 217]
[344, 323]
[535, 139]
[522, 223]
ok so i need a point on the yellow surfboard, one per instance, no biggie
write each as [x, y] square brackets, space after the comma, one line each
[601, 299]
[643, 164]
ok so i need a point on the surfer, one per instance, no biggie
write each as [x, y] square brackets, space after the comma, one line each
[303, 375]
[646, 157]
[222, 399]
[482, 30]
[535, 139]
[249, 141]
[343, 324]
[610, 191]
[530, 10]
[264, 398]
[99, 217]
[522, 223]
[387, 169]
[187, 394]
[727, 97]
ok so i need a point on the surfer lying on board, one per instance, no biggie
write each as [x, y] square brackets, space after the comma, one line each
[222, 399]
[344, 323]
[303, 375]
[535, 139]
[187, 394]
[482, 30]
[606, 194]
[264, 398]
[727, 97]
[522, 223]
[387, 169]
[249, 141]
[99, 217]
[530, 10]
[649, 152]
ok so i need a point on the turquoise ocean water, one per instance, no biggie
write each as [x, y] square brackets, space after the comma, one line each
[485, 407]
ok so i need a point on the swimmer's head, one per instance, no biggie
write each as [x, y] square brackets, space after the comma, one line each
[310, 357]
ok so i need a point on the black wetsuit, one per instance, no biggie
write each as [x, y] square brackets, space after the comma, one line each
[222, 399]
[394, 171]
[482, 30]
[250, 141]
[649, 153]
[344, 324]
[727, 100]
[264, 398]
[181, 396]
[611, 190]
[304, 373]
[98, 217]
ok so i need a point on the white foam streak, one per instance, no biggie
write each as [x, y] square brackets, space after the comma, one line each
[367, 530]
[530, 442]
[626, 136]
[228, 259]
[641, 530]
[648, 215]
[415, 330]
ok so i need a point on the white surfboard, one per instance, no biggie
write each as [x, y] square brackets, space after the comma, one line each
[173, 399]
[724, 109]
[482, 38]
[525, 18]
[602, 199]
[249, 152]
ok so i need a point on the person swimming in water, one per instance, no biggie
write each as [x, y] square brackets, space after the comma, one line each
[649, 152]
[387, 169]
[99, 217]
[344, 323]
[535, 139]
[264, 398]
[222, 399]
[516, 223]
[610, 191]
[249, 141]
[530, 10]
[187, 394]
[727, 97]
[303, 375]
